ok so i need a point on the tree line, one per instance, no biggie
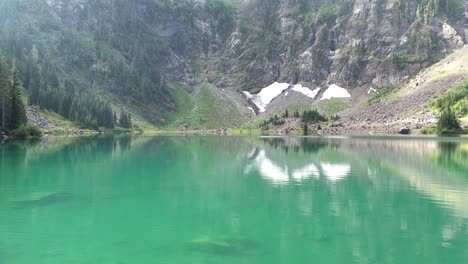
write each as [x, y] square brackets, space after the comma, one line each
[12, 111]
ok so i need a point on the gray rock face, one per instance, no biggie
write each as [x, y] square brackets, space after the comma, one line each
[372, 42]
[364, 42]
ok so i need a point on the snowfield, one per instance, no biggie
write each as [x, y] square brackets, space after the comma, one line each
[334, 91]
[267, 94]
[306, 91]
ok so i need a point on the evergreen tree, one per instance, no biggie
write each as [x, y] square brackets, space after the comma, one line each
[4, 93]
[448, 120]
[125, 120]
[12, 112]
[313, 116]
[305, 129]
[17, 111]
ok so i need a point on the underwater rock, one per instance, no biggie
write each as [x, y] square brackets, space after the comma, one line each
[53, 198]
[223, 245]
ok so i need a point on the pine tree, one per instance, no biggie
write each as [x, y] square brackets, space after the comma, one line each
[305, 129]
[17, 111]
[448, 120]
[125, 120]
[4, 93]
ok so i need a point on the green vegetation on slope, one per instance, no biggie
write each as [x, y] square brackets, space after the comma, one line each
[452, 106]
[113, 46]
[456, 98]
[213, 111]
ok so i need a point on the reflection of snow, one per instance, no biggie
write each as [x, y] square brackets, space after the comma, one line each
[281, 175]
[305, 91]
[306, 172]
[334, 91]
[269, 170]
[335, 172]
[267, 94]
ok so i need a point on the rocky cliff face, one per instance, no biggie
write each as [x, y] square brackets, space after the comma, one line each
[139, 49]
[352, 43]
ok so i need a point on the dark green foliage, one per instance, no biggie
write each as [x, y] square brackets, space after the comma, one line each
[457, 99]
[313, 116]
[305, 129]
[4, 87]
[286, 114]
[327, 14]
[275, 120]
[12, 112]
[26, 131]
[111, 45]
[17, 111]
[222, 18]
[448, 121]
[430, 8]
[296, 114]
[125, 120]
[451, 105]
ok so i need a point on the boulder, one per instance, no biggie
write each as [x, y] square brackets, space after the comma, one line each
[404, 131]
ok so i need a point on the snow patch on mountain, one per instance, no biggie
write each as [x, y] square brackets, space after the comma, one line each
[267, 94]
[334, 91]
[306, 91]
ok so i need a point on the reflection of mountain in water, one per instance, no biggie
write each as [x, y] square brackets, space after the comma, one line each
[288, 172]
[436, 169]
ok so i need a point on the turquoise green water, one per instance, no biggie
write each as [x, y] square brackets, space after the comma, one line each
[234, 200]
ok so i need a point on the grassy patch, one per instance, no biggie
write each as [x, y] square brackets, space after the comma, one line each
[184, 106]
[333, 106]
[214, 111]
[457, 98]
[384, 94]
[244, 131]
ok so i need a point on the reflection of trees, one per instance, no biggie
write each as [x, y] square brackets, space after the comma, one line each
[452, 155]
[12, 157]
[125, 142]
[307, 145]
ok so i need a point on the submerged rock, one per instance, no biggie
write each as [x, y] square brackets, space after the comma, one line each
[53, 198]
[223, 245]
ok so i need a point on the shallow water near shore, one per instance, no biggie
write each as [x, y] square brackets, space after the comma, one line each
[234, 200]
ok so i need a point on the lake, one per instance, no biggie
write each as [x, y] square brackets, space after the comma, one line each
[234, 200]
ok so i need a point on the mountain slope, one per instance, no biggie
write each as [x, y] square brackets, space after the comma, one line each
[407, 107]
[155, 57]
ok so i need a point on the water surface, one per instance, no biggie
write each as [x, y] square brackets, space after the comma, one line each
[234, 200]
